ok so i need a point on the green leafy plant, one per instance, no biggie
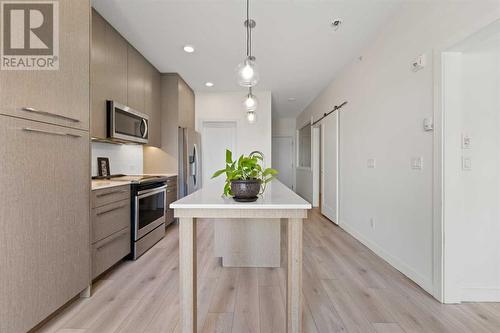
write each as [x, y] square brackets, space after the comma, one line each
[245, 168]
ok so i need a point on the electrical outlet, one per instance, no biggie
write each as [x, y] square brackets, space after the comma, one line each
[466, 163]
[372, 223]
[370, 163]
[417, 163]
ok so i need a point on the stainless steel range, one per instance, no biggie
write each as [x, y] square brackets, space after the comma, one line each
[149, 195]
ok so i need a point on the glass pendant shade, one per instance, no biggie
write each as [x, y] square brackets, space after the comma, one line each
[250, 103]
[248, 75]
[251, 117]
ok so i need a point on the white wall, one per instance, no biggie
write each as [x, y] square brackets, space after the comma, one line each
[304, 183]
[124, 159]
[284, 127]
[228, 106]
[472, 197]
[383, 120]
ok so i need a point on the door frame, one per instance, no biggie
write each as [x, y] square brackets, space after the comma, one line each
[337, 173]
[318, 150]
[294, 181]
[439, 223]
[316, 165]
[202, 123]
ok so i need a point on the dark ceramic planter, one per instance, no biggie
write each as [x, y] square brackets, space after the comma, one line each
[245, 190]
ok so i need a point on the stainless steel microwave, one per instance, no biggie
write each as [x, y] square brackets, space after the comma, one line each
[126, 124]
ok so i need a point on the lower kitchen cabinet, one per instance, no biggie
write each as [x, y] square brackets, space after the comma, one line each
[111, 227]
[171, 197]
[44, 220]
[109, 219]
[109, 195]
[109, 251]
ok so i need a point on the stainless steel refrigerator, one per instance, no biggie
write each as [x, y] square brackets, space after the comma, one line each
[189, 161]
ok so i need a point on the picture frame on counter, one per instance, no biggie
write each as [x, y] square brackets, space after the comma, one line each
[103, 167]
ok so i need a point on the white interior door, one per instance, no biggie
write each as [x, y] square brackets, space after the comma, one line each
[283, 159]
[329, 167]
[216, 137]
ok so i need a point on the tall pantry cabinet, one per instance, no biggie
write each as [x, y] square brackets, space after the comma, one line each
[45, 179]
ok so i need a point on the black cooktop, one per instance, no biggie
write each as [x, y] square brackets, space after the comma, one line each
[134, 179]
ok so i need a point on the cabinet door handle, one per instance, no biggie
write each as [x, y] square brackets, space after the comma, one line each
[45, 113]
[109, 193]
[112, 239]
[34, 130]
[111, 209]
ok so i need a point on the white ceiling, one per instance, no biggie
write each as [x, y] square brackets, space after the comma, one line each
[297, 51]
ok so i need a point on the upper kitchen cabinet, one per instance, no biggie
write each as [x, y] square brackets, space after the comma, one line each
[108, 71]
[152, 93]
[120, 73]
[136, 79]
[186, 104]
[58, 96]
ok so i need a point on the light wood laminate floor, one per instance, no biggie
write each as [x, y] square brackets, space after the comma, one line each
[346, 288]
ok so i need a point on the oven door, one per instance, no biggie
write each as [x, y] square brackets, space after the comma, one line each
[127, 124]
[149, 210]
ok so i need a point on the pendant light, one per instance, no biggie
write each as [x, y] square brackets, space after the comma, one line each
[250, 102]
[248, 75]
[251, 117]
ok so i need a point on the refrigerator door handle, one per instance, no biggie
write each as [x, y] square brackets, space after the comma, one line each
[195, 164]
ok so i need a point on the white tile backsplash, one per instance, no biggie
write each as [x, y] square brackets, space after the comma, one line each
[125, 159]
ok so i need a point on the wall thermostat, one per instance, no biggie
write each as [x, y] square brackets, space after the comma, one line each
[419, 63]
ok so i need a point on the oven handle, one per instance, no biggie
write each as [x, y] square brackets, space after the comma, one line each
[150, 192]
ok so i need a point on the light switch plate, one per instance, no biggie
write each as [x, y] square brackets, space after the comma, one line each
[466, 142]
[466, 163]
[417, 163]
[428, 124]
[371, 163]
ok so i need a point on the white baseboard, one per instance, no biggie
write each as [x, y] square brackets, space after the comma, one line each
[416, 277]
[329, 214]
[481, 295]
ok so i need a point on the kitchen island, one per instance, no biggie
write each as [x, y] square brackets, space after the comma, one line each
[277, 202]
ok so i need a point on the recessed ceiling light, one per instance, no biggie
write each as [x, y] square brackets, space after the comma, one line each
[292, 99]
[209, 84]
[189, 48]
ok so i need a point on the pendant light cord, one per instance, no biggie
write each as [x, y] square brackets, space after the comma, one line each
[249, 33]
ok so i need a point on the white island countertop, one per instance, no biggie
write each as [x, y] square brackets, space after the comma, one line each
[276, 196]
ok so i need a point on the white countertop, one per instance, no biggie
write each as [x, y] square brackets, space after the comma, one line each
[276, 196]
[99, 184]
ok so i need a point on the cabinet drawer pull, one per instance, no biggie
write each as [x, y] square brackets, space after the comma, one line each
[34, 130]
[112, 239]
[45, 113]
[110, 210]
[100, 195]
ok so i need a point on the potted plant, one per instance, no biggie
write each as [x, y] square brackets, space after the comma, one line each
[245, 178]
